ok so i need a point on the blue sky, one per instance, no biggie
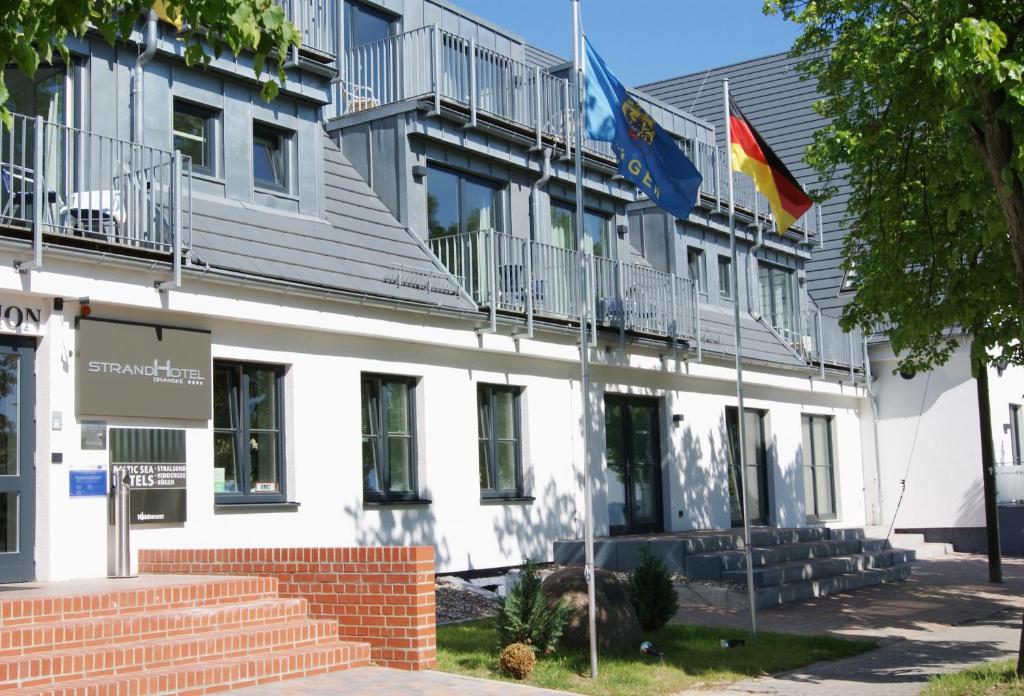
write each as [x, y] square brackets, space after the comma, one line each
[647, 40]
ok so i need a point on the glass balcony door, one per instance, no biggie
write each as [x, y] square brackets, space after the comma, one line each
[757, 466]
[633, 454]
[17, 451]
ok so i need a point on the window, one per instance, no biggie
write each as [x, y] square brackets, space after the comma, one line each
[194, 129]
[389, 446]
[597, 230]
[500, 442]
[725, 277]
[695, 268]
[778, 298]
[248, 454]
[458, 203]
[270, 157]
[1016, 432]
[849, 281]
[365, 24]
[819, 474]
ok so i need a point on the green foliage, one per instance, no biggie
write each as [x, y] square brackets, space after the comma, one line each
[925, 103]
[652, 593]
[33, 31]
[526, 617]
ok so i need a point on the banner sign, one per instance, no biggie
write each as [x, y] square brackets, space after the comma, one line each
[142, 370]
[152, 462]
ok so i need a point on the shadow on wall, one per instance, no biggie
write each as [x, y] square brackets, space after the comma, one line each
[701, 492]
[399, 525]
[533, 528]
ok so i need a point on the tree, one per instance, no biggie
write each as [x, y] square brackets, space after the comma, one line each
[925, 103]
[37, 31]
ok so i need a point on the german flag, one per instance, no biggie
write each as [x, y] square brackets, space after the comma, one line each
[751, 155]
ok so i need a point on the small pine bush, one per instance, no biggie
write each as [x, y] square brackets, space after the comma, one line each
[651, 592]
[517, 660]
[526, 617]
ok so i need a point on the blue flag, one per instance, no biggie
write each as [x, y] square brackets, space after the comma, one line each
[648, 156]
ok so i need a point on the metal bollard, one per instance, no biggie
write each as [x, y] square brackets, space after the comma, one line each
[122, 529]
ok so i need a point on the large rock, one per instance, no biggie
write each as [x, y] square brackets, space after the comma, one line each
[617, 625]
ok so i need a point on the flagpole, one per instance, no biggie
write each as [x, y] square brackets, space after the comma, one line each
[740, 426]
[588, 513]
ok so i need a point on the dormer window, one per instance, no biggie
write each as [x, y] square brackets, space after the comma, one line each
[270, 157]
[194, 127]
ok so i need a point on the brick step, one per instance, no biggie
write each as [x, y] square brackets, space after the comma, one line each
[128, 657]
[805, 589]
[782, 573]
[191, 592]
[184, 621]
[216, 676]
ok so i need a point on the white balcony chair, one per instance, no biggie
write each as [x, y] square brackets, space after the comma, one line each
[95, 213]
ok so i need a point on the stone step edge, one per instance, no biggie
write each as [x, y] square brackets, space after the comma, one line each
[71, 607]
[117, 659]
[764, 570]
[801, 545]
[785, 565]
[771, 596]
[215, 676]
[182, 621]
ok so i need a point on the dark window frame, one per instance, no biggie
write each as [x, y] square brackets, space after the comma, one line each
[242, 432]
[1016, 442]
[284, 137]
[210, 117]
[489, 391]
[386, 495]
[351, 6]
[700, 283]
[499, 187]
[725, 293]
[810, 463]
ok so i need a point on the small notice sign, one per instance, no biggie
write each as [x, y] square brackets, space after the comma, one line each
[87, 482]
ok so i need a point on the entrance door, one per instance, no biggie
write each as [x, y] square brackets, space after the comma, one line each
[17, 454]
[757, 466]
[634, 465]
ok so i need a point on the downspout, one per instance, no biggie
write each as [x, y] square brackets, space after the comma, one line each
[873, 398]
[140, 62]
[535, 230]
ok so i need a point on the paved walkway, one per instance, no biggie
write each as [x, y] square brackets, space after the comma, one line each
[367, 681]
[946, 617]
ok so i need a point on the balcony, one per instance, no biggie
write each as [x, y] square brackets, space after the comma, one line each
[72, 187]
[817, 337]
[432, 64]
[317, 22]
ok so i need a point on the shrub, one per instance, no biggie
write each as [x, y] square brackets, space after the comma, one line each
[651, 592]
[526, 616]
[517, 660]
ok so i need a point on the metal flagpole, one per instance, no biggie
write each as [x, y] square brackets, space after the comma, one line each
[588, 513]
[740, 426]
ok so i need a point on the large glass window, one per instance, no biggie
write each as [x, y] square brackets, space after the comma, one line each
[1017, 432]
[43, 94]
[696, 270]
[597, 230]
[248, 456]
[459, 203]
[819, 474]
[364, 24]
[498, 422]
[389, 447]
[270, 156]
[778, 298]
[194, 131]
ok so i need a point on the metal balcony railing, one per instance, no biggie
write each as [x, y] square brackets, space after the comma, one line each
[1010, 483]
[506, 273]
[317, 21]
[61, 181]
[431, 62]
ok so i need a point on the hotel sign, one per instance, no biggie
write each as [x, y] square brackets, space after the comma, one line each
[143, 370]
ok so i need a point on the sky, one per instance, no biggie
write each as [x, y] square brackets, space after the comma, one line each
[646, 40]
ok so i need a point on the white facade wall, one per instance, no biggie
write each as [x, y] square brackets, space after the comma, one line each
[326, 346]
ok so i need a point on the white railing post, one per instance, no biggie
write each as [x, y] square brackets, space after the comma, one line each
[538, 125]
[591, 299]
[492, 281]
[528, 263]
[621, 297]
[39, 199]
[696, 320]
[175, 201]
[821, 343]
[674, 328]
[718, 183]
[472, 84]
[853, 378]
[436, 78]
[566, 117]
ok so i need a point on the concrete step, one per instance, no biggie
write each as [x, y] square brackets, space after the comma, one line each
[819, 568]
[710, 566]
[805, 589]
[931, 549]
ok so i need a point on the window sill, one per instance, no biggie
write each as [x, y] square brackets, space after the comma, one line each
[269, 506]
[275, 192]
[209, 176]
[396, 502]
[507, 500]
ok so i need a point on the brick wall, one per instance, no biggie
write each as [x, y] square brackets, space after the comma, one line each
[383, 596]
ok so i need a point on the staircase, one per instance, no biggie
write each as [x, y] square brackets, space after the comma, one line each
[162, 635]
[795, 564]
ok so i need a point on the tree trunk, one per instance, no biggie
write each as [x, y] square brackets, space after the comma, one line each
[994, 140]
[1020, 651]
[988, 473]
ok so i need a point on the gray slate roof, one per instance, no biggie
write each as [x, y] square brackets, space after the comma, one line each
[778, 101]
[759, 342]
[358, 248]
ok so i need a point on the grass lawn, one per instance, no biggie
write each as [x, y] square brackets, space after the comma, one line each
[990, 679]
[693, 657]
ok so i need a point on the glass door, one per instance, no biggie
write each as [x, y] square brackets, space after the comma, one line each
[757, 466]
[17, 450]
[634, 465]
